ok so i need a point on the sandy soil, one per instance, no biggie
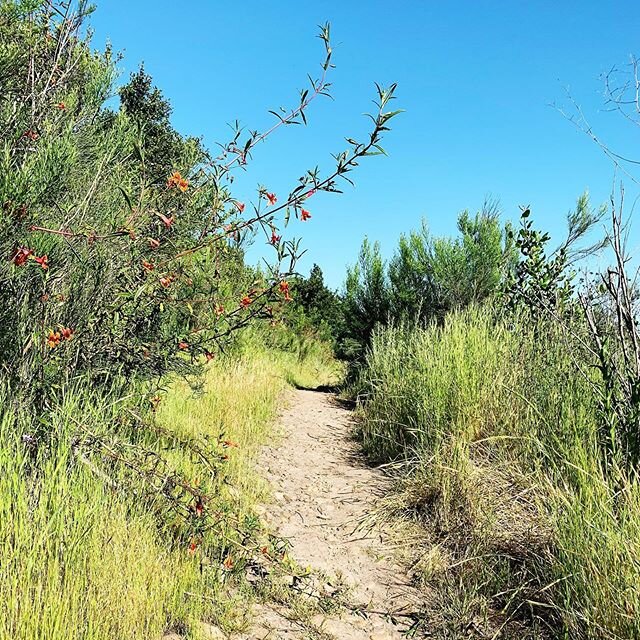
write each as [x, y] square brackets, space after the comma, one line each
[322, 493]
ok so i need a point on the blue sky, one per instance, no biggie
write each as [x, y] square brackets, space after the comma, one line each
[476, 81]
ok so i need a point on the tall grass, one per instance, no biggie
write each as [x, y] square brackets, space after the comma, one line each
[531, 533]
[80, 558]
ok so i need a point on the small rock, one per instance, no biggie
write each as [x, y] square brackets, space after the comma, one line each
[211, 632]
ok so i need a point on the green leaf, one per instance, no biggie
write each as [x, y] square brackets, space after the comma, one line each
[126, 197]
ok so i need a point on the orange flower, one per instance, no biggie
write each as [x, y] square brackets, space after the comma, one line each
[67, 333]
[53, 339]
[176, 180]
[153, 243]
[183, 345]
[228, 563]
[229, 443]
[61, 105]
[245, 302]
[31, 135]
[209, 356]
[148, 265]
[21, 256]
[264, 551]
[219, 310]
[165, 281]
[240, 206]
[173, 179]
[304, 215]
[284, 288]
[43, 261]
[271, 197]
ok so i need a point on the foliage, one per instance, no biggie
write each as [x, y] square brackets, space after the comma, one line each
[62, 505]
[545, 284]
[315, 305]
[122, 239]
[122, 264]
[432, 276]
[426, 278]
[366, 301]
[524, 517]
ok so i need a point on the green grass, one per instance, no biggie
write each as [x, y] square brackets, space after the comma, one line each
[527, 532]
[80, 558]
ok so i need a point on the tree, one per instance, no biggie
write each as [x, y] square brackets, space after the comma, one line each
[367, 301]
[320, 305]
[431, 276]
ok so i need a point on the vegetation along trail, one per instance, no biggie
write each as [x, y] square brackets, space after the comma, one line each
[323, 493]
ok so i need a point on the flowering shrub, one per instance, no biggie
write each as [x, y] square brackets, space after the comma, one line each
[118, 230]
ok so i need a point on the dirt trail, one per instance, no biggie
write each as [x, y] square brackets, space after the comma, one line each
[322, 492]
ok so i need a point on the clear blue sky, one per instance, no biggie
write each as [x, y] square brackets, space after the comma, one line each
[476, 80]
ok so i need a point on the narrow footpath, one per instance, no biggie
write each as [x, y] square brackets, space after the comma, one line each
[323, 494]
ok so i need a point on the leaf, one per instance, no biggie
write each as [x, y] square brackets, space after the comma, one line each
[126, 197]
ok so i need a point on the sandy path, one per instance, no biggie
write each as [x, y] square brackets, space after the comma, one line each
[322, 492]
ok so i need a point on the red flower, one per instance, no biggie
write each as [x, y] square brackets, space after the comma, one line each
[219, 310]
[165, 281]
[275, 238]
[192, 547]
[43, 261]
[271, 197]
[61, 105]
[199, 508]
[245, 302]
[209, 356]
[304, 215]
[67, 333]
[183, 345]
[309, 193]
[31, 135]
[240, 206]
[21, 256]
[148, 265]
[153, 243]
[284, 288]
[166, 221]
